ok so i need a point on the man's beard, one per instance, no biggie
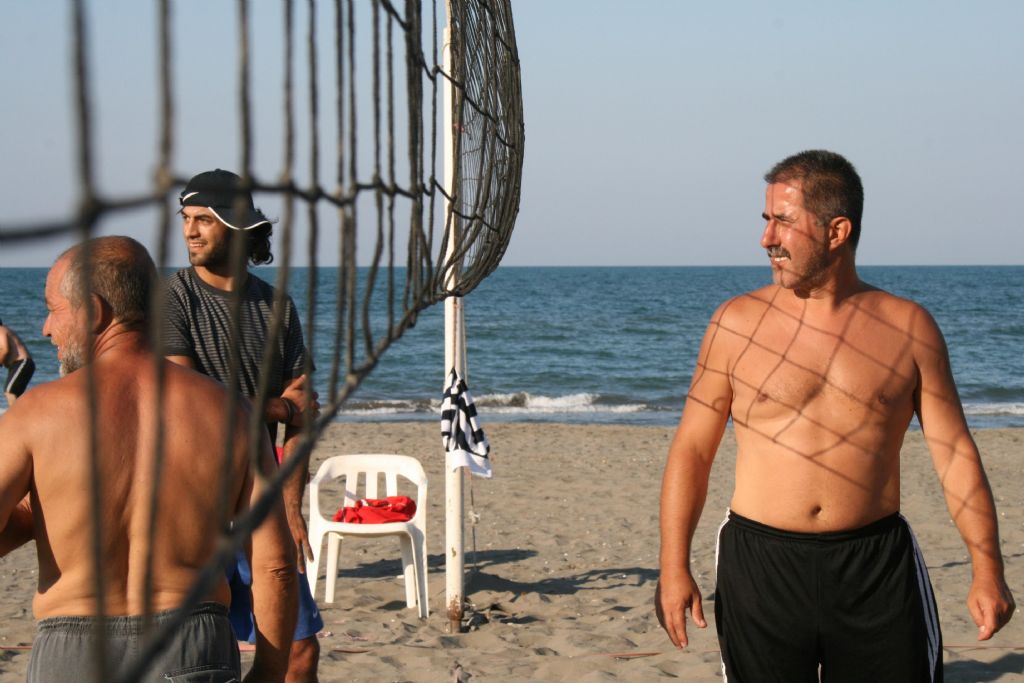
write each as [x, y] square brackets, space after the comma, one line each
[813, 273]
[217, 256]
[72, 357]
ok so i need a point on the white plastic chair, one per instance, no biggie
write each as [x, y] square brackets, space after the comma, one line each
[412, 534]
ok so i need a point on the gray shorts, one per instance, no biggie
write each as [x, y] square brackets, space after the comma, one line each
[203, 650]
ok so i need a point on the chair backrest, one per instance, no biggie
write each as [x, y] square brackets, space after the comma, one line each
[369, 467]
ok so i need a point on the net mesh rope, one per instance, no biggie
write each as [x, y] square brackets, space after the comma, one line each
[420, 253]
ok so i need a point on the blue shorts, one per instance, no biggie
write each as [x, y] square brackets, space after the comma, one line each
[307, 625]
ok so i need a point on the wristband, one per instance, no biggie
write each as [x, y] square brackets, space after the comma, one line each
[291, 411]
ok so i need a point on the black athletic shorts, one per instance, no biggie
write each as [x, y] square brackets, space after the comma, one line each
[857, 603]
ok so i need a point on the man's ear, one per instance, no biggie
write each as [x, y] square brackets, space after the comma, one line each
[839, 230]
[102, 313]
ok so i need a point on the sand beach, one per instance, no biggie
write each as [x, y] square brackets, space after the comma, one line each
[566, 565]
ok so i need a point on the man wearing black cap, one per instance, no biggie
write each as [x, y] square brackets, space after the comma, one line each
[216, 210]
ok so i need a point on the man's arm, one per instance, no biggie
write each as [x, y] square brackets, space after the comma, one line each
[14, 355]
[291, 407]
[297, 403]
[15, 480]
[685, 484]
[20, 528]
[299, 407]
[175, 330]
[5, 351]
[274, 589]
[294, 489]
[958, 464]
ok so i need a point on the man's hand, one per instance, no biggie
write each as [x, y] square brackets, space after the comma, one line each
[300, 533]
[295, 393]
[991, 605]
[671, 600]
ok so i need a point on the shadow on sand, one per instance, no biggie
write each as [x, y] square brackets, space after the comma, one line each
[479, 579]
[980, 672]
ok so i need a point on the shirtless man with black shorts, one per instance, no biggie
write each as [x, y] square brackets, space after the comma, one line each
[821, 374]
[46, 443]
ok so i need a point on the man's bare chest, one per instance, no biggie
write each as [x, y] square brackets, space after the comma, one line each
[801, 368]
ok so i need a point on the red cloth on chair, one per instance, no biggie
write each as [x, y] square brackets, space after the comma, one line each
[378, 511]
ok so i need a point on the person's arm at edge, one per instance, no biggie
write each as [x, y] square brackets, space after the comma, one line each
[291, 406]
[12, 352]
[294, 401]
[685, 484]
[276, 409]
[293, 492]
[15, 479]
[274, 589]
[20, 528]
[962, 475]
[301, 407]
[175, 333]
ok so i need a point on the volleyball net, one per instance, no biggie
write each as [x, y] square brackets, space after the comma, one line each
[364, 185]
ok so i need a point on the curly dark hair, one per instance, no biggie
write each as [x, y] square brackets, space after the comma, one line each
[259, 244]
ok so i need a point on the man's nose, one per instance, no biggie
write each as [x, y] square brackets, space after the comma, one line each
[770, 235]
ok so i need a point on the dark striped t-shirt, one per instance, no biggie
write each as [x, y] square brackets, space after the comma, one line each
[197, 324]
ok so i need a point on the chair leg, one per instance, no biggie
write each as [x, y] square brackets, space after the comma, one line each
[409, 570]
[333, 551]
[419, 551]
[313, 566]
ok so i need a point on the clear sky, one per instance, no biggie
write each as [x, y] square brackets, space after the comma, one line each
[649, 124]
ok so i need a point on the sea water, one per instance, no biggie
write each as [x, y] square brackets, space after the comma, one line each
[611, 344]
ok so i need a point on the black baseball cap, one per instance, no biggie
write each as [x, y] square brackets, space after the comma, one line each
[221, 192]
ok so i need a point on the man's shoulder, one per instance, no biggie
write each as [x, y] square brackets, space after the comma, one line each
[263, 284]
[51, 400]
[749, 306]
[191, 390]
[261, 289]
[182, 276]
[890, 308]
[181, 282]
[259, 283]
[184, 377]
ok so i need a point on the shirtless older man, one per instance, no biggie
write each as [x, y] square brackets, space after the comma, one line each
[45, 452]
[821, 374]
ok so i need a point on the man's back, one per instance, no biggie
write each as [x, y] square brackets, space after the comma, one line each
[56, 430]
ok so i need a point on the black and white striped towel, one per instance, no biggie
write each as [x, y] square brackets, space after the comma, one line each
[464, 442]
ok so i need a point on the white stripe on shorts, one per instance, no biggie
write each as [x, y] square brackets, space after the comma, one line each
[718, 544]
[924, 586]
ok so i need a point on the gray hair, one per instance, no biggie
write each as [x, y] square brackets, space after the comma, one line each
[120, 271]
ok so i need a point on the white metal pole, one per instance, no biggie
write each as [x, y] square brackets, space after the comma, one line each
[453, 358]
